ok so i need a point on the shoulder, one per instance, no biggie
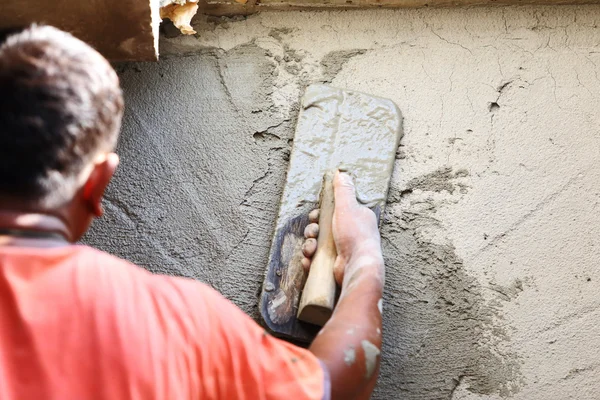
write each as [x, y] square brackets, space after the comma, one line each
[105, 271]
[117, 282]
[145, 305]
[100, 267]
[100, 258]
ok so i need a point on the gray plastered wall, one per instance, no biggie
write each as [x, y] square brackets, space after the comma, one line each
[491, 231]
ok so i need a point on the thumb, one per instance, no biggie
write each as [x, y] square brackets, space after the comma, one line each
[344, 191]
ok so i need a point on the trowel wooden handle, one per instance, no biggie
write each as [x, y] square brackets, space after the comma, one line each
[318, 297]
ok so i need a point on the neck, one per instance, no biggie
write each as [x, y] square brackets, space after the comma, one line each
[13, 222]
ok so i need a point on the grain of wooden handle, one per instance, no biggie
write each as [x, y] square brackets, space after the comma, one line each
[318, 297]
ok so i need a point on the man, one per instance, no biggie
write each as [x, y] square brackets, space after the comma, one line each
[76, 323]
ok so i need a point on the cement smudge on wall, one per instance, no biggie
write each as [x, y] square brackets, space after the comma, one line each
[442, 179]
[333, 62]
[443, 331]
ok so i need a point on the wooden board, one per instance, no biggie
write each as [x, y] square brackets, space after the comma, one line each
[127, 30]
[225, 8]
[122, 30]
[336, 129]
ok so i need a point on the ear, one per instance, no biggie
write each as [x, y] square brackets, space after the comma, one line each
[98, 181]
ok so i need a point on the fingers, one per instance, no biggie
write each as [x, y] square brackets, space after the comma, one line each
[311, 231]
[344, 191]
[309, 248]
[306, 264]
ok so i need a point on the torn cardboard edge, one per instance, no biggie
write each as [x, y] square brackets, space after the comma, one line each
[180, 12]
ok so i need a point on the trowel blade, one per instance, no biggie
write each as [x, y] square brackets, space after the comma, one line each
[336, 129]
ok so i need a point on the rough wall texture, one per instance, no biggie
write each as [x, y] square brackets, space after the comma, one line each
[491, 232]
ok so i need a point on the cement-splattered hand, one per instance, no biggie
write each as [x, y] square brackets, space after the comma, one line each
[349, 344]
[355, 233]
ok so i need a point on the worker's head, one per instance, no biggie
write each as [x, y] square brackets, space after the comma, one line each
[60, 115]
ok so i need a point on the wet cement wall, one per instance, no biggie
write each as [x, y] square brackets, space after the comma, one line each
[491, 231]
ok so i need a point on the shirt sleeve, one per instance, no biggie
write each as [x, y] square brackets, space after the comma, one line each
[238, 359]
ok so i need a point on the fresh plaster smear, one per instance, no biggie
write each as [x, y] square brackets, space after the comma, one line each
[490, 234]
[371, 353]
[350, 356]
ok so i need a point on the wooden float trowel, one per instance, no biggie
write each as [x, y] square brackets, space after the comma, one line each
[337, 129]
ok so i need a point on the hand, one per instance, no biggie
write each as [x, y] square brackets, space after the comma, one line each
[355, 233]
[311, 233]
[360, 272]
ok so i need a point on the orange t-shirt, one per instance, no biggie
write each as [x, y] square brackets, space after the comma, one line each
[76, 323]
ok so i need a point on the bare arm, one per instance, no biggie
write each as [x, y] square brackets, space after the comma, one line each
[349, 344]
